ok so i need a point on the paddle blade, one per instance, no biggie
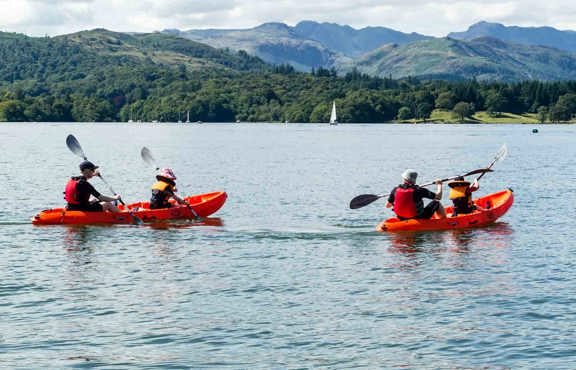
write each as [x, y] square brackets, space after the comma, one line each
[148, 158]
[475, 172]
[502, 153]
[363, 200]
[74, 146]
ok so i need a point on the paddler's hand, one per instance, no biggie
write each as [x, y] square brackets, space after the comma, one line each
[117, 197]
[438, 182]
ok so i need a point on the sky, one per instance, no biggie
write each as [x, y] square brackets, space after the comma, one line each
[429, 17]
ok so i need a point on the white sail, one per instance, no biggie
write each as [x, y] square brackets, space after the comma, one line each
[333, 117]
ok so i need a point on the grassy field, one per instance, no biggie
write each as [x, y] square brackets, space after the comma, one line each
[445, 116]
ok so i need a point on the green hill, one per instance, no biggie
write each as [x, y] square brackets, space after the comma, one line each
[101, 75]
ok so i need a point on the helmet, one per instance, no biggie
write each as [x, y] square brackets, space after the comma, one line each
[166, 173]
[410, 176]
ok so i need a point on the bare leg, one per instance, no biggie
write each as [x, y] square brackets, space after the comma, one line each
[109, 206]
[441, 211]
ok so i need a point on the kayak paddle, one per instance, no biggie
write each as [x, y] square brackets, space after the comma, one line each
[365, 199]
[475, 172]
[146, 155]
[75, 147]
[500, 155]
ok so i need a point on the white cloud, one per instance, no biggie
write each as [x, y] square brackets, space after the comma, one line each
[431, 17]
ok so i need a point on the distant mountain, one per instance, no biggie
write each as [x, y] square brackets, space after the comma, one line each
[545, 36]
[306, 46]
[352, 42]
[485, 59]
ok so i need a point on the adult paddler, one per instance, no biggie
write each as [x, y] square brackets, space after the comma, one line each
[78, 191]
[407, 199]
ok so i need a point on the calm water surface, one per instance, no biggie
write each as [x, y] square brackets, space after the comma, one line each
[287, 276]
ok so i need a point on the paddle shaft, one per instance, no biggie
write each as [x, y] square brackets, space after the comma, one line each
[474, 172]
[499, 156]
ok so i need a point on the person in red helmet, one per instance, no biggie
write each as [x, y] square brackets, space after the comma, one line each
[164, 189]
[78, 191]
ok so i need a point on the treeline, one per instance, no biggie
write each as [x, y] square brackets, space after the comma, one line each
[149, 93]
[105, 76]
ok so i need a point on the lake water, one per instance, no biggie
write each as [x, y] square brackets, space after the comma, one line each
[291, 278]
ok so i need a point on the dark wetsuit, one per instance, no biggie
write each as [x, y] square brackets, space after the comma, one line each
[83, 190]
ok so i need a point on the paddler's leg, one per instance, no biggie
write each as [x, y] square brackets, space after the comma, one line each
[441, 211]
[109, 206]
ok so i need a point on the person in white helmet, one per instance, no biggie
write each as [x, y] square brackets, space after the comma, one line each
[407, 199]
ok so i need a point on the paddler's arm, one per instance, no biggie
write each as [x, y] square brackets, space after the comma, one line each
[475, 186]
[390, 202]
[104, 198]
[438, 189]
[179, 200]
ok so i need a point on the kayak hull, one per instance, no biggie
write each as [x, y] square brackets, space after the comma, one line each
[496, 205]
[203, 204]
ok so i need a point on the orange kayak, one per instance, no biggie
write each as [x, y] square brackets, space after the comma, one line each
[203, 204]
[495, 205]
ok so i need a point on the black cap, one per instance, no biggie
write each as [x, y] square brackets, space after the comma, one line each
[87, 165]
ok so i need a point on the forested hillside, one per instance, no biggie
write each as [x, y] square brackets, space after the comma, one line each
[105, 76]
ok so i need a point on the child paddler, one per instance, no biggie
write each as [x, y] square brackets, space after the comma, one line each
[461, 196]
[164, 189]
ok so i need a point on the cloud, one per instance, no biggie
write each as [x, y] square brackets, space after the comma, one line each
[431, 17]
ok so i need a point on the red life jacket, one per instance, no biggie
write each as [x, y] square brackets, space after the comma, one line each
[404, 205]
[70, 193]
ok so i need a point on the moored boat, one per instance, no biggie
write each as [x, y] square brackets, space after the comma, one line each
[203, 205]
[495, 205]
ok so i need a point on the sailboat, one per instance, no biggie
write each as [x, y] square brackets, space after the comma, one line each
[333, 118]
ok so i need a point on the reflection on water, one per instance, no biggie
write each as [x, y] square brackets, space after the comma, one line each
[412, 242]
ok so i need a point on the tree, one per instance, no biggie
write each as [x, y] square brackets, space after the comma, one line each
[495, 103]
[404, 113]
[423, 110]
[12, 111]
[445, 100]
[462, 110]
[542, 114]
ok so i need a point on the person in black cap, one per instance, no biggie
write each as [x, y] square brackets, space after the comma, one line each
[78, 191]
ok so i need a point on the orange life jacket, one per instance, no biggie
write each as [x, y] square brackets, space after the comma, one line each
[459, 189]
[160, 195]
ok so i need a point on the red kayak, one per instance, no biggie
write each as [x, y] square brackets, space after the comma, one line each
[495, 205]
[203, 204]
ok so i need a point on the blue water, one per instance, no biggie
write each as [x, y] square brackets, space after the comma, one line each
[288, 276]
